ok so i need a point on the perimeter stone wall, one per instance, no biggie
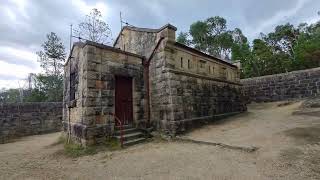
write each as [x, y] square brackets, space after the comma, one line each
[23, 119]
[285, 86]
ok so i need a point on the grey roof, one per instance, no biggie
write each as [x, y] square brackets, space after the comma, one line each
[132, 28]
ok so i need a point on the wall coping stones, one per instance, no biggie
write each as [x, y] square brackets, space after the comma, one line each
[199, 76]
[284, 86]
[23, 119]
[282, 74]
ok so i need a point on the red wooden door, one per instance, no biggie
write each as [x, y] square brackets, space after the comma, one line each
[123, 99]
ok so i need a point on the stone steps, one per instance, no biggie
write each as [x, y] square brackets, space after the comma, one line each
[126, 131]
[133, 142]
[131, 135]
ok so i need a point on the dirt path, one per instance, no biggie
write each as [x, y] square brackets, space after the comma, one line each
[288, 149]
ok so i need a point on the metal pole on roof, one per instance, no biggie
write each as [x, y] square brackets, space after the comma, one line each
[121, 39]
[70, 37]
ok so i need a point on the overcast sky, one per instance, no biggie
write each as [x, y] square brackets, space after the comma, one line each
[25, 23]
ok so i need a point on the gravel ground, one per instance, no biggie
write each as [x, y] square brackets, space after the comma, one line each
[288, 149]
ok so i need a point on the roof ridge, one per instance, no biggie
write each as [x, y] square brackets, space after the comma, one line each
[134, 28]
[205, 54]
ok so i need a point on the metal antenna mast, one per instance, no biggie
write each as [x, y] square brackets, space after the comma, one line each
[70, 36]
[121, 39]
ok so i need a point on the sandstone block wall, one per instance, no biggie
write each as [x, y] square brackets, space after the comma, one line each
[182, 92]
[22, 119]
[285, 86]
[96, 67]
[197, 99]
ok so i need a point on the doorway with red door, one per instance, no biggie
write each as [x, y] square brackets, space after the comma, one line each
[123, 100]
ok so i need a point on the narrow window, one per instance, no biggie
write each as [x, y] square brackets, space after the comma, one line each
[72, 86]
[202, 63]
[181, 62]
[224, 73]
[189, 65]
[209, 67]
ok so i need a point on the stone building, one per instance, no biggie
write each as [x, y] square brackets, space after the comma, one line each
[146, 79]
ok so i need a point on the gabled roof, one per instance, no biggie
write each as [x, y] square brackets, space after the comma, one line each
[102, 46]
[132, 28]
[111, 48]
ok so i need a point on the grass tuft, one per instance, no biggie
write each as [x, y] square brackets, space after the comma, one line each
[76, 150]
[112, 144]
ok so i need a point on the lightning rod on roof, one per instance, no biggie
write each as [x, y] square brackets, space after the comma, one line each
[121, 39]
[70, 37]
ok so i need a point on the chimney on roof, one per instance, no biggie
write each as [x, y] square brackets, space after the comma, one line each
[237, 63]
[168, 31]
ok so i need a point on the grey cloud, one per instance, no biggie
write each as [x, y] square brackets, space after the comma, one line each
[257, 11]
[8, 77]
[8, 58]
[42, 17]
[46, 16]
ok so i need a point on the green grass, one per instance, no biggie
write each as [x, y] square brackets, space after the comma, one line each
[112, 144]
[74, 150]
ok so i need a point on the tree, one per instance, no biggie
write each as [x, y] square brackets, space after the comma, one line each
[307, 49]
[212, 36]
[48, 86]
[183, 38]
[283, 39]
[10, 96]
[199, 34]
[53, 55]
[94, 28]
[286, 48]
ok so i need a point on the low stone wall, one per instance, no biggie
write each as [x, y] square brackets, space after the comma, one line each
[22, 119]
[285, 86]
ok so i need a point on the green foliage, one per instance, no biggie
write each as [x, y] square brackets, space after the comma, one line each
[212, 36]
[36, 96]
[287, 48]
[112, 143]
[46, 88]
[199, 34]
[52, 57]
[183, 38]
[10, 96]
[76, 150]
[49, 86]
[307, 50]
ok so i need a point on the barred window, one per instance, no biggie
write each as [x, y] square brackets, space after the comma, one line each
[72, 86]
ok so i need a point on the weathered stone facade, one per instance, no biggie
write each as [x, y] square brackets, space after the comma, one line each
[96, 67]
[186, 86]
[285, 86]
[22, 119]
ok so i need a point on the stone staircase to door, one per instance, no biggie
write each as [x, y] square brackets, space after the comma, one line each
[131, 135]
